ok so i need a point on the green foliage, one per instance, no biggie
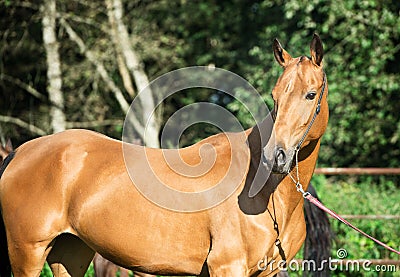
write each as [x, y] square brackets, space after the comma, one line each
[362, 43]
[362, 54]
[354, 197]
[362, 49]
[46, 271]
[362, 198]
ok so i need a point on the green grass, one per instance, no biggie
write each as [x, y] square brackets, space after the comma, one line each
[362, 196]
[365, 198]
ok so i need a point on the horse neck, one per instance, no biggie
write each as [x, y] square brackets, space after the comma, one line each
[257, 138]
[281, 185]
[287, 190]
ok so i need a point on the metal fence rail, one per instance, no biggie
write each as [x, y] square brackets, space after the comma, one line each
[358, 171]
[362, 171]
[372, 216]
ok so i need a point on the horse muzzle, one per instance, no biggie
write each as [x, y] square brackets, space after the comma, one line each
[280, 161]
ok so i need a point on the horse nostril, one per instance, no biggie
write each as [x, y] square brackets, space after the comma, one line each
[264, 159]
[280, 156]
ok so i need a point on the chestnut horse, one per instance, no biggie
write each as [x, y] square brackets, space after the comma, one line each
[68, 195]
[316, 246]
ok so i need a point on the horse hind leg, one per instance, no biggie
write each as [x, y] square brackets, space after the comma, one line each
[69, 256]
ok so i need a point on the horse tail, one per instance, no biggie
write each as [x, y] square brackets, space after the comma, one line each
[5, 265]
[319, 237]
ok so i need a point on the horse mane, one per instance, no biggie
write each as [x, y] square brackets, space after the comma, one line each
[5, 269]
[6, 161]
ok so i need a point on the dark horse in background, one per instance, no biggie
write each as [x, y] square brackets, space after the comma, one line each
[79, 200]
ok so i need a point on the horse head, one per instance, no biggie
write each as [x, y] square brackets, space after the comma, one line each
[300, 109]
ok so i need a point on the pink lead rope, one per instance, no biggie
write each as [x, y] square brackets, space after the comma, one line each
[315, 201]
[312, 199]
[321, 206]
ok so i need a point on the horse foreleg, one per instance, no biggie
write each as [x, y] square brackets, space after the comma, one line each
[232, 270]
[27, 260]
[69, 256]
[224, 263]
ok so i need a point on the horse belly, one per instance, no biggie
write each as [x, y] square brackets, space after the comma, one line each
[126, 228]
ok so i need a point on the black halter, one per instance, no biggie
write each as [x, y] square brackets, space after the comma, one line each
[317, 111]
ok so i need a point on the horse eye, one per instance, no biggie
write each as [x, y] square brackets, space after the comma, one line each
[310, 95]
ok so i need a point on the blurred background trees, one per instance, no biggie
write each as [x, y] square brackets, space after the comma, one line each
[109, 50]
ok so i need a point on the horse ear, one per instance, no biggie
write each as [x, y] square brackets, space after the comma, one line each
[281, 56]
[317, 50]
[9, 147]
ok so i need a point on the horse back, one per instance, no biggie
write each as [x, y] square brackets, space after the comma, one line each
[41, 174]
[76, 182]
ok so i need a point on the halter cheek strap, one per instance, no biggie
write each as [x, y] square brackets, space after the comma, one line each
[317, 111]
[299, 186]
[312, 199]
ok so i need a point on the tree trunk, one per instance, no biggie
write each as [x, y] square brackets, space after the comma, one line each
[100, 68]
[152, 129]
[53, 66]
